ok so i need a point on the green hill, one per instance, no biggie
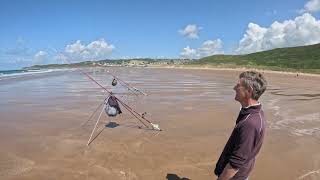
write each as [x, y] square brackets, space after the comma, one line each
[303, 59]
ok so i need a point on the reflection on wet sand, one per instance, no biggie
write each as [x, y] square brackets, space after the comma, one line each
[294, 95]
[310, 97]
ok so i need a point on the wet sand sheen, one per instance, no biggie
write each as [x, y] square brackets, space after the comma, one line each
[42, 136]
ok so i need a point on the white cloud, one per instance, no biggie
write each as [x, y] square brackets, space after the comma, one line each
[191, 31]
[40, 57]
[303, 30]
[75, 48]
[312, 6]
[189, 53]
[99, 49]
[60, 58]
[23, 56]
[208, 48]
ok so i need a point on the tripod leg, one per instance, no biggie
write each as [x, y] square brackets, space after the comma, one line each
[89, 141]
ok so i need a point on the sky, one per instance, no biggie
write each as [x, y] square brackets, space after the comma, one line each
[58, 31]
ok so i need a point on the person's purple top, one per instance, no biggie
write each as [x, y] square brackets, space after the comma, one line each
[244, 143]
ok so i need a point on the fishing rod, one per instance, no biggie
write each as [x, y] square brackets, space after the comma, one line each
[130, 87]
[154, 126]
[124, 105]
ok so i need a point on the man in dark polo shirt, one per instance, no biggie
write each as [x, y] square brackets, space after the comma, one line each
[238, 156]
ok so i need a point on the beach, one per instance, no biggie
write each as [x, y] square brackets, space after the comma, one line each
[45, 125]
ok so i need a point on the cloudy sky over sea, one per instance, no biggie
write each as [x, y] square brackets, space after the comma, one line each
[41, 32]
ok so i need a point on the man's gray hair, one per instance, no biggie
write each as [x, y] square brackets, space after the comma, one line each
[256, 81]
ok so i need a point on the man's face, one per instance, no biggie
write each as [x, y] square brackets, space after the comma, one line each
[242, 94]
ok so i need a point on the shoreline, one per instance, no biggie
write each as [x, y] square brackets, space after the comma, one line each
[238, 69]
[224, 67]
[205, 67]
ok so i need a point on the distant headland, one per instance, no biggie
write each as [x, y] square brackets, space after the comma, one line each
[305, 59]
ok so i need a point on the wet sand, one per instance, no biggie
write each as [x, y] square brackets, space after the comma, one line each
[42, 136]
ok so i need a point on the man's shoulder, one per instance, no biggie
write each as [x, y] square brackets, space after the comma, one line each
[254, 121]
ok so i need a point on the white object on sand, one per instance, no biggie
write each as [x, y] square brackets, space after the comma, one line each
[155, 126]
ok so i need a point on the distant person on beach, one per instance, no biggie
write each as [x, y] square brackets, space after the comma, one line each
[239, 154]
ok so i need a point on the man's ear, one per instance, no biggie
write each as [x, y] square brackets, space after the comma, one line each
[250, 91]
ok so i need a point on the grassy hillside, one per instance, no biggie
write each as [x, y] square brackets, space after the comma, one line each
[303, 58]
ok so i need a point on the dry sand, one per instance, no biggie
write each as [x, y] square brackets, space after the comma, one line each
[42, 137]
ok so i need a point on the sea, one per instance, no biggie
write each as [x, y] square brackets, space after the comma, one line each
[9, 74]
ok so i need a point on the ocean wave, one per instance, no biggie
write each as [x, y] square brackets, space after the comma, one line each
[21, 73]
